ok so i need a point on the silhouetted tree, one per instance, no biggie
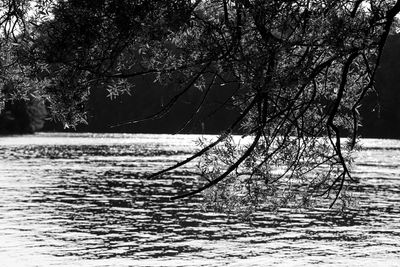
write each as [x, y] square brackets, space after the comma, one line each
[301, 69]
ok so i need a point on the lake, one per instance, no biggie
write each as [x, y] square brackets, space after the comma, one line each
[83, 200]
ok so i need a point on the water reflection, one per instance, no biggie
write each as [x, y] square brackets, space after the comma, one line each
[86, 202]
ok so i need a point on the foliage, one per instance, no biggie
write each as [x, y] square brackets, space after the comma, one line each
[301, 69]
[22, 116]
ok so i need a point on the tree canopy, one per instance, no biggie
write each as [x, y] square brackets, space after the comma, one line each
[301, 69]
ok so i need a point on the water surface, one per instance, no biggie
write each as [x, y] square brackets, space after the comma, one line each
[83, 200]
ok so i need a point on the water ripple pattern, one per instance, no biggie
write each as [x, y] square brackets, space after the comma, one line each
[84, 200]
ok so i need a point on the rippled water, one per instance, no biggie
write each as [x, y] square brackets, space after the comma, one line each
[82, 200]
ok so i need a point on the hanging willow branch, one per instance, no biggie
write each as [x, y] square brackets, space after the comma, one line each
[279, 114]
[301, 67]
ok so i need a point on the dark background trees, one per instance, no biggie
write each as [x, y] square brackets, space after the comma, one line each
[380, 110]
[22, 117]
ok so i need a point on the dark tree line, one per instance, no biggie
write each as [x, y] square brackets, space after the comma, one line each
[380, 110]
[380, 115]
